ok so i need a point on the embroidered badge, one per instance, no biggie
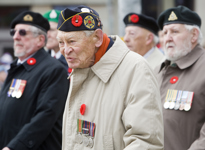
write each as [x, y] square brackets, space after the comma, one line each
[172, 16]
[173, 79]
[28, 18]
[134, 18]
[82, 109]
[89, 22]
[77, 20]
[31, 61]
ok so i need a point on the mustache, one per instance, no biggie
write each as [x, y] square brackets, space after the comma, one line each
[169, 44]
[17, 43]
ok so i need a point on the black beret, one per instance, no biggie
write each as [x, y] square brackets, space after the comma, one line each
[78, 19]
[31, 18]
[143, 21]
[181, 15]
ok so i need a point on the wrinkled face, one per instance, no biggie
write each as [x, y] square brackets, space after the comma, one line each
[77, 48]
[177, 41]
[135, 38]
[52, 42]
[25, 45]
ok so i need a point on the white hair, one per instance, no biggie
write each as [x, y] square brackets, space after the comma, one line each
[88, 32]
[36, 31]
[191, 27]
[155, 39]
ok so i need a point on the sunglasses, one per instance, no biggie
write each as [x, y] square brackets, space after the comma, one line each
[22, 32]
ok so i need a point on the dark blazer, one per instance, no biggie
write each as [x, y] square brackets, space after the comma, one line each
[34, 121]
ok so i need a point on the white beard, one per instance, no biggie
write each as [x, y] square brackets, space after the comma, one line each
[177, 52]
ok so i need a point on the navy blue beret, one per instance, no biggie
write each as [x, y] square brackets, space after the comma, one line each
[78, 19]
[181, 15]
[31, 18]
[143, 21]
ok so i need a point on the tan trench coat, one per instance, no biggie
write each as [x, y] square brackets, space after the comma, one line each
[122, 98]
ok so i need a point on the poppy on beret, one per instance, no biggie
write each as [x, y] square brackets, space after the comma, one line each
[143, 21]
[181, 15]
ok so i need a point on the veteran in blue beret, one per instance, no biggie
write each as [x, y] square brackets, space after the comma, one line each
[141, 36]
[181, 79]
[33, 96]
[109, 83]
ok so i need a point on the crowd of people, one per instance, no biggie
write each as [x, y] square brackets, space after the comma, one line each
[73, 86]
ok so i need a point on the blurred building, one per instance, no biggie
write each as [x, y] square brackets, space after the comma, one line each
[111, 11]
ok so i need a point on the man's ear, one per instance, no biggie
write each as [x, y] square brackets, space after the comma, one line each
[195, 35]
[98, 37]
[149, 38]
[41, 40]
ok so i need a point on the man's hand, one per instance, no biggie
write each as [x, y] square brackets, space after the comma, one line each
[6, 148]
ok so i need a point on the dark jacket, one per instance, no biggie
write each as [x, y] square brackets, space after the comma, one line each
[34, 121]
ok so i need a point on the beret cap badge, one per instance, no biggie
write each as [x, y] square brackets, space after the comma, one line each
[89, 22]
[172, 16]
[28, 18]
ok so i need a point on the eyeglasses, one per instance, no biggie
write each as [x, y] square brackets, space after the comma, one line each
[22, 32]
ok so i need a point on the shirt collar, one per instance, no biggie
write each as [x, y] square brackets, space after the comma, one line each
[57, 55]
[187, 60]
[149, 52]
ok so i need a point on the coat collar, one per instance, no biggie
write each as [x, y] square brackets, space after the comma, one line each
[110, 60]
[187, 60]
[39, 56]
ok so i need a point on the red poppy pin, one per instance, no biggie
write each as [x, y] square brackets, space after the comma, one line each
[173, 79]
[134, 18]
[69, 70]
[31, 61]
[82, 109]
[77, 20]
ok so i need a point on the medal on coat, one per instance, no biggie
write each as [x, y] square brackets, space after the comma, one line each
[166, 103]
[173, 99]
[17, 85]
[11, 88]
[178, 100]
[92, 134]
[85, 133]
[187, 106]
[183, 99]
[21, 88]
[78, 137]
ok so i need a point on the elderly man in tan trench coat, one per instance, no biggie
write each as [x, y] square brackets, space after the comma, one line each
[114, 100]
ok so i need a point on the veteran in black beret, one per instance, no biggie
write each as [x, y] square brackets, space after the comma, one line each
[33, 96]
[141, 36]
[107, 86]
[181, 79]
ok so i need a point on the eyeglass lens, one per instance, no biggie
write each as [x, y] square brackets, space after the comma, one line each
[22, 32]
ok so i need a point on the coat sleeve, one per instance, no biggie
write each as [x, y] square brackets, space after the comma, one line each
[50, 101]
[142, 116]
[199, 144]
